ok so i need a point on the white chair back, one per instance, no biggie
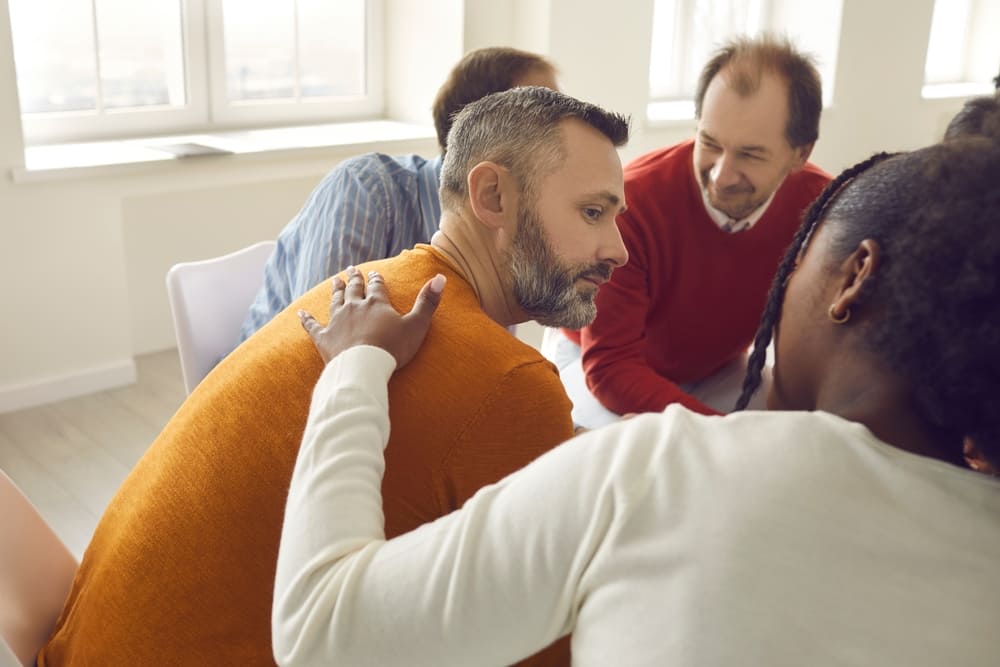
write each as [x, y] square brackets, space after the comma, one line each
[36, 571]
[209, 299]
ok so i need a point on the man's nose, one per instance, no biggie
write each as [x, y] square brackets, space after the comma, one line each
[613, 250]
[724, 172]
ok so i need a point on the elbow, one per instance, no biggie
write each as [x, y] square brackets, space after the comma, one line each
[295, 637]
[307, 623]
[285, 638]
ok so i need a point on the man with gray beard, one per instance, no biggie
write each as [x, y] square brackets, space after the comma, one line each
[530, 189]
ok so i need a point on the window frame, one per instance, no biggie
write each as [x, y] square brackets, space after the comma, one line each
[206, 108]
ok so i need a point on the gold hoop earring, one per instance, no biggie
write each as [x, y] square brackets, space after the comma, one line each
[838, 319]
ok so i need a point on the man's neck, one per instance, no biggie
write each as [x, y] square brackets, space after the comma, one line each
[471, 250]
[861, 389]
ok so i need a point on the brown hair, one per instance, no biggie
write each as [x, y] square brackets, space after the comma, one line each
[746, 59]
[477, 74]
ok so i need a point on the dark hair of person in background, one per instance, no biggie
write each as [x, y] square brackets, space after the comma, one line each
[477, 74]
[978, 116]
[749, 59]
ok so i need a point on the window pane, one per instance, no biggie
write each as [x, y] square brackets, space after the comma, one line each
[946, 49]
[687, 32]
[963, 51]
[140, 53]
[260, 49]
[814, 27]
[54, 55]
[660, 56]
[332, 67]
[292, 50]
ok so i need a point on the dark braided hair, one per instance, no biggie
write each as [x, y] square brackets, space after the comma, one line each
[935, 213]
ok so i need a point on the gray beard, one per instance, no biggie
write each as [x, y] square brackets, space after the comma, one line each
[542, 286]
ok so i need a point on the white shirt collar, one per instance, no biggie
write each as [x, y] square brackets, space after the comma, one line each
[729, 225]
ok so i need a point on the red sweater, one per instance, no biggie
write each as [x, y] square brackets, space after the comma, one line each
[691, 296]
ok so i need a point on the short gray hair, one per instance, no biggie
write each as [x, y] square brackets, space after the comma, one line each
[518, 129]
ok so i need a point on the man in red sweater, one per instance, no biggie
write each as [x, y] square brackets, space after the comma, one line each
[708, 220]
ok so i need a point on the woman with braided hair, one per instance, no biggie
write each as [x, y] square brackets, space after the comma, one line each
[843, 526]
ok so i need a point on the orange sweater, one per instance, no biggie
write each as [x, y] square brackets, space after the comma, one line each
[181, 567]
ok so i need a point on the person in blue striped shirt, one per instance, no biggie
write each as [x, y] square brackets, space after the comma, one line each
[375, 206]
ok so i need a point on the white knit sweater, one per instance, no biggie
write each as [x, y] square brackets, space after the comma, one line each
[675, 539]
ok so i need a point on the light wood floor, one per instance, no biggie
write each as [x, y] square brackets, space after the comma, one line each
[70, 457]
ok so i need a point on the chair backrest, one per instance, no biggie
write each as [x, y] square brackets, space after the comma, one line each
[36, 571]
[209, 299]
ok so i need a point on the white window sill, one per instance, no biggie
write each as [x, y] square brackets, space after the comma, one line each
[60, 161]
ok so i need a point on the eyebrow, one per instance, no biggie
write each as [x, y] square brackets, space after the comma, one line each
[752, 148]
[609, 197]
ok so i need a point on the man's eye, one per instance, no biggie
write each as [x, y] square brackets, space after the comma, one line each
[592, 213]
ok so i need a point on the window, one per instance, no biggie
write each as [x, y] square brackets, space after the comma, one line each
[686, 32]
[89, 69]
[963, 53]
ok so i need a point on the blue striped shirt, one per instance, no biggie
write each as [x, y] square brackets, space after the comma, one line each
[370, 207]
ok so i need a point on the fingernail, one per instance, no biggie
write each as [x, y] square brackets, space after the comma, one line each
[437, 283]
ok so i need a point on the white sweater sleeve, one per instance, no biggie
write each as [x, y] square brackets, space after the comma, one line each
[489, 584]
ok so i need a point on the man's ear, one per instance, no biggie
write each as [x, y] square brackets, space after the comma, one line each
[860, 267]
[490, 195]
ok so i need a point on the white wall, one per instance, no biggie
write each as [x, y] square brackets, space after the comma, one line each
[82, 260]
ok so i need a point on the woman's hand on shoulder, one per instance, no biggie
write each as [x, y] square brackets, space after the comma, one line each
[360, 314]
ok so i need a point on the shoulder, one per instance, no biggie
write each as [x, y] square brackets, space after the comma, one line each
[747, 449]
[526, 386]
[659, 180]
[489, 364]
[806, 182]
[770, 444]
[657, 161]
[744, 435]
[659, 187]
[518, 398]
[813, 171]
[371, 166]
